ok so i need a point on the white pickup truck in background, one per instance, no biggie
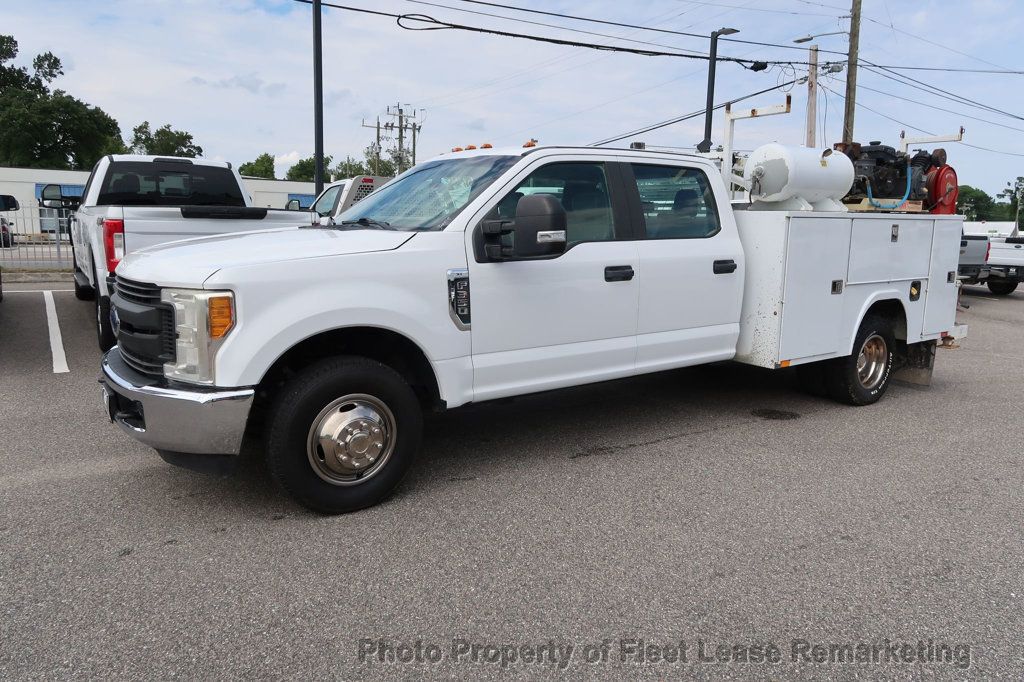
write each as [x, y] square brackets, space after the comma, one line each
[131, 202]
[501, 272]
[1005, 264]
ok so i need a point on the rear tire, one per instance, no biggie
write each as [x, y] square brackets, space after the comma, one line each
[104, 330]
[1002, 287]
[343, 433]
[863, 377]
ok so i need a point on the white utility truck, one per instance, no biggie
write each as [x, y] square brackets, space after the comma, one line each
[132, 201]
[500, 272]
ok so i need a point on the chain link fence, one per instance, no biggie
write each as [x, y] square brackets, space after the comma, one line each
[36, 239]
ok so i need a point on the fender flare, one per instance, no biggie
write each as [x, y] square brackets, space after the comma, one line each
[876, 297]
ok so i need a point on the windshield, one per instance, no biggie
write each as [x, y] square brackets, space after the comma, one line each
[429, 196]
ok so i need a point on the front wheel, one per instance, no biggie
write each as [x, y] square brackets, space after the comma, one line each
[1002, 287]
[343, 432]
[863, 377]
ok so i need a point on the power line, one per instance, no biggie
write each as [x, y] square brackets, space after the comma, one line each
[620, 24]
[933, 42]
[921, 85]
[679, 119]
[926, 132]
[938, 108]
[540, 23]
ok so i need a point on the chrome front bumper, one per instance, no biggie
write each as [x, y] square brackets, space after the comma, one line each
[197, 421]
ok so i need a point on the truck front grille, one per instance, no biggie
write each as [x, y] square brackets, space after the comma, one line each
[146, 333]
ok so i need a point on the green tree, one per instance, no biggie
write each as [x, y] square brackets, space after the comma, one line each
[350, 168]
[43, 129]
[377, 163]
[975, 204]
[303, 170]
[163, 142]
[1013, 194]
[261, 167]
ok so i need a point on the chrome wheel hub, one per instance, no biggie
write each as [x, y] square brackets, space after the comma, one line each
[351, 439]
[872, 362]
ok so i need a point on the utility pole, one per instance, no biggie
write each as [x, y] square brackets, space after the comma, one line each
[406, 123]
[318, 100]
[376, 147]
[812, 97]
[401, 138]
[851, 73]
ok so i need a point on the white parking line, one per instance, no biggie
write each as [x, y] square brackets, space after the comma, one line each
[35, 291]
[60, 361]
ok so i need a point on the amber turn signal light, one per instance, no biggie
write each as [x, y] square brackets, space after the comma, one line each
[222, 316]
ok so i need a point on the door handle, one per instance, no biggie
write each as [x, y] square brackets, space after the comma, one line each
[618, 273]
[724, 267]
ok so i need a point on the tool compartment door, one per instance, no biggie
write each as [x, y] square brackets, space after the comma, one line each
[890, 248]
[940, 306]
[817, 256]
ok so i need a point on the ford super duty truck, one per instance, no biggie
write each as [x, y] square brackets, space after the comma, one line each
[1005, 264]
[501, 272]
[131, 202]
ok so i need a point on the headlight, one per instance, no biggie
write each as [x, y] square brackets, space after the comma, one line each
[202, 319]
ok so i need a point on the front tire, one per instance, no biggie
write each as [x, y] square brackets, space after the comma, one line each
[1002, 287]
[863, 377]
[104, 330]
[343, 433]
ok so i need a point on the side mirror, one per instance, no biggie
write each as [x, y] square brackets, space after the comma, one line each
[53, 197]
[293, 205]
[8, 203]
[539, 227]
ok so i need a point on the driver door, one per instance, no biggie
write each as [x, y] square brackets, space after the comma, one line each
[564, 320]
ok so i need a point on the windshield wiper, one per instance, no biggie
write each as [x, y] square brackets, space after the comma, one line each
[368, 222]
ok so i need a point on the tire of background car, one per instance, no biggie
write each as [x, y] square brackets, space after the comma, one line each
[863, 377]
[104, 330]
[1002, 288]
[342, 433]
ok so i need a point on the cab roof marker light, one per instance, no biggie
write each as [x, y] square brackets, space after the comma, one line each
[470, 147]
[487, 145]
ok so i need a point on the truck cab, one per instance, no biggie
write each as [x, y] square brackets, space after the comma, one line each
[495, 273]
[338, 197]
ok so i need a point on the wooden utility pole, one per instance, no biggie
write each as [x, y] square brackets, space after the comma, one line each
[375, 170]
[812, 97]
[851, 72]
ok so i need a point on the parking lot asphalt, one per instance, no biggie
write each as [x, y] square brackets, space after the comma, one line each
[711, 506]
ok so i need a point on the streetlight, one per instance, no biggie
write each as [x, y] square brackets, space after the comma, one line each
[705, 145]
[809, 38]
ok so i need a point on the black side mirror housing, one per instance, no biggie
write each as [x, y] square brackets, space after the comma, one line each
[293, 205]
[539, 227]
[53, 197]
[8, 203]
[538, 231]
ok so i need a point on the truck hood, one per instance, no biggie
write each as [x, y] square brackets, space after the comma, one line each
[190, 262]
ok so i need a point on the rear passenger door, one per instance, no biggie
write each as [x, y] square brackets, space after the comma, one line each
[691, 267]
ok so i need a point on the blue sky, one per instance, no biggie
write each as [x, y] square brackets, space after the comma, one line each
[237, 73]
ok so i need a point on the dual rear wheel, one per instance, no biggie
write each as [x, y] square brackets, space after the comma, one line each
[861, 378]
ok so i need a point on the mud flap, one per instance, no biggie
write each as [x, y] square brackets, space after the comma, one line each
[916, 364]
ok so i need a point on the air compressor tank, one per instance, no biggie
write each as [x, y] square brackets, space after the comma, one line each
[797, 178]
